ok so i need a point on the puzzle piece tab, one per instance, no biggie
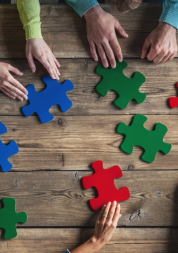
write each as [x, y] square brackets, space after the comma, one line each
[138, 135]
[127, 88]
[54, 94]
[103, 181]
[173, 101]
[9, 218]
[6, 151]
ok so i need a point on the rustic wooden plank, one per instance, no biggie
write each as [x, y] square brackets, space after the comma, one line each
[64, 31]
[159, 87]
[57, 198]
[74, 142]
[133, 240]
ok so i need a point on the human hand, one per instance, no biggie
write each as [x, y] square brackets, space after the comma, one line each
[160, 45]
[38, 49]
[9, 85]
[101, 33]
[105, 226]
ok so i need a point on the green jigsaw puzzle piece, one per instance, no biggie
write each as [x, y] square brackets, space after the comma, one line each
[127, 88]
[9, 218]
[137, 135]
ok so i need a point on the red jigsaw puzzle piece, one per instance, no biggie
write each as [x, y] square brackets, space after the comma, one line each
[173, 101]
[103, 181]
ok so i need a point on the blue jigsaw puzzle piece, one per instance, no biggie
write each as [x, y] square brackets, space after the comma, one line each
[54, 94]
[6, 151]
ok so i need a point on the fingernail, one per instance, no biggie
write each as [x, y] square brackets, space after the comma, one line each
[109, 203]
[126, 35]
[104, 205]
[119, 205]
[120, 215]
[114, 202]
[33, 71]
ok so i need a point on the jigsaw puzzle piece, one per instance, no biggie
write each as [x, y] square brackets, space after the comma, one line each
[3, 128]
[9, 218]
[28, 110]
[54, 94]
[6, 152]
[126, 88]
[103, 181]
[173, 101]
[137, 135]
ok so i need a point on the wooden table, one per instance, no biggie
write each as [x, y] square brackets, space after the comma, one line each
[53, 157]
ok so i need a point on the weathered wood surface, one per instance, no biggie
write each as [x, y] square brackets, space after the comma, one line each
[74, 142]
[64, 30]
[57, 198]
[133, 240]
[159, 87]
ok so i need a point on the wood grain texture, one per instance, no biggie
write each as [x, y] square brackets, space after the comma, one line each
[74, 142]
[132, 240]
[65, 32]
[56, 199]
[159, 87]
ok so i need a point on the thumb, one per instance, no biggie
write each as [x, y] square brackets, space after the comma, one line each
[120, 30]
[31, 63]
[145, 49]
[15, 70]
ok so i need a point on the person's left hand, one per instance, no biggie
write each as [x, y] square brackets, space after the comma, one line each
[161, 45]
[38, 49]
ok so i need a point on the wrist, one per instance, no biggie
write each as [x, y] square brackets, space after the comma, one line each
[166, 27]
[94, 11]
[94, 244]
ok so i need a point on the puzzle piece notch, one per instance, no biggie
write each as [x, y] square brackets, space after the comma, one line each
[6, 151]
[54, 94]
[173, 101]
[137, 135]
[9, 218]
[127, 88]
[103, 181]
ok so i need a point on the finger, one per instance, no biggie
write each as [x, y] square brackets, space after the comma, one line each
[48, 67]
[102, 55]
[120, 30]
[101, 213]
[152, 54]
[159, 57]
[15, 70]
[112, 212]
[31, 63]
[7, 93]
[54, 68]
[171, 57]
[145, 49]
[10, 91]
[117, 49]
[19, 94]
[105, 213]
[19, 86]
[166, 58]
[109, 53]
[117, 215]
[56, 61]
[93, 50]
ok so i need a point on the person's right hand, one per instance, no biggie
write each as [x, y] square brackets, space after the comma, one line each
[9, 85]
[101, 33]
[106, 225]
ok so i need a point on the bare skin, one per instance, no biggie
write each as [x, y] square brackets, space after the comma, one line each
[104, 229]
[101, 33]
[9, 85]
[161, 45]
[37, 48]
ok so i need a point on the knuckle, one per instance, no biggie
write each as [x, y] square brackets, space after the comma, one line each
[113, 225]
[3, 83]
[111, 36]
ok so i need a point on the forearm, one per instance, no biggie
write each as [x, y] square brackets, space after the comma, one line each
[170, 13]
[82, 6]
[87, 247]
[29, 12]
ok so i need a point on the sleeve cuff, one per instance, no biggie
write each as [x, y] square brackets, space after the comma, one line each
[83, 6]
[33, 31]
[170, 15]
